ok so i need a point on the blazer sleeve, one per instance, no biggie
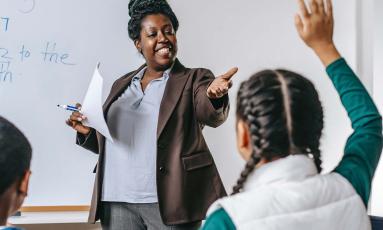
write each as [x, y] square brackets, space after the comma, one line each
[89, 141]
[211, 112]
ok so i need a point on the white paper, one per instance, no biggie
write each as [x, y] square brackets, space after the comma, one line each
[92, 106]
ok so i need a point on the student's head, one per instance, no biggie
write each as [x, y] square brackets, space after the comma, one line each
[152, 27]
[15, 158]
[278, 114]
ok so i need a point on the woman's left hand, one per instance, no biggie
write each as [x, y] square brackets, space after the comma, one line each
[221, 85]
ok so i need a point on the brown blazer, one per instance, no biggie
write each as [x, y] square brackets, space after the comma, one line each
[187, 178]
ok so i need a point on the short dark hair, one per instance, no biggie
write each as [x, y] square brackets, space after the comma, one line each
[15, 154]
[285, 117]
[139, 9]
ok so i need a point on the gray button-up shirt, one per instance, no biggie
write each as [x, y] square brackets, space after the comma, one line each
[130, 162]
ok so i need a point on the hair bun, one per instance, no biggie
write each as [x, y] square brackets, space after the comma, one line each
[138, 9]
[131, 6]
[141, 5]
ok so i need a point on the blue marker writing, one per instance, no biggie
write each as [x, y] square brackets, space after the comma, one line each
[69, 107]
[6, 21]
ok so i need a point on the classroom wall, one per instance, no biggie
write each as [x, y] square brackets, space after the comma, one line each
[377, 192]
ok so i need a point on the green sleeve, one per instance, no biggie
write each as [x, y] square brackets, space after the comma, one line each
[218, 220]
[364, 145]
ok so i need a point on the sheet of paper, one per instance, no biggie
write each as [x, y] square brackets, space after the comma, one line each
[92, 106]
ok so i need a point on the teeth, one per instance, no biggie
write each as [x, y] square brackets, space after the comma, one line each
[164, 51]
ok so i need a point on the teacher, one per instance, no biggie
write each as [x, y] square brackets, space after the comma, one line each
[158, 173]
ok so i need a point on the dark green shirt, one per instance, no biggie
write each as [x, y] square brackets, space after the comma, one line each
[363, 147]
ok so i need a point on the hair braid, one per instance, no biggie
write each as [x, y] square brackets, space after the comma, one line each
[256, 154]
[284, 116]
[252, 113]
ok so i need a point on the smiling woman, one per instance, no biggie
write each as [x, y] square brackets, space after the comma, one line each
[158, 173]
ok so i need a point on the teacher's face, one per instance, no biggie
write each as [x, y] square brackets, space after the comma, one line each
[157, 42]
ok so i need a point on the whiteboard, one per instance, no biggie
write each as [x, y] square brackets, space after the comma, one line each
[48, 51]
[49, 48]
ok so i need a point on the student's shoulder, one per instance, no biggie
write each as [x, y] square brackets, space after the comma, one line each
[219, 220]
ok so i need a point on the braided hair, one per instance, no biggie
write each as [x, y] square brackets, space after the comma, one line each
[284, 115]
[138, 9]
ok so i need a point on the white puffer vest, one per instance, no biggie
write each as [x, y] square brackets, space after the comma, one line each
[289, 194]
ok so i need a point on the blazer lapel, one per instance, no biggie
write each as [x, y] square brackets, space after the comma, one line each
[119, 89]
[173, 90]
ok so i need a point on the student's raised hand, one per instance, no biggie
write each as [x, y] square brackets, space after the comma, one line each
[221, 85]
[315, 25]
[75, 121]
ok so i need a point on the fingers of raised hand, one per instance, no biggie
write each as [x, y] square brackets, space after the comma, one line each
[303, 9]
[329, 7]
[328, 11]
[321, 9]
[314, 7]
[299, 23]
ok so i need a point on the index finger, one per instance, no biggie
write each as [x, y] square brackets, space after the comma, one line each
[229, 74]
[303, 9]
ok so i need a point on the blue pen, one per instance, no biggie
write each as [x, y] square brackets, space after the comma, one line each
[69, 107]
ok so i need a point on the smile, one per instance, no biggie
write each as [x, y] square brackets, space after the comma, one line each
[164, 51]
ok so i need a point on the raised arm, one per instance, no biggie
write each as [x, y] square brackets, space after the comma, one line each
[364, 146]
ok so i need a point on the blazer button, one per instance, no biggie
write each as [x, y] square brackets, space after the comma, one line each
[162, 169]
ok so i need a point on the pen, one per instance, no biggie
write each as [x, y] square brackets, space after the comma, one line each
[69, 107]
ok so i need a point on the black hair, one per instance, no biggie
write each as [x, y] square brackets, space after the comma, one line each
[284, 115]
[138, 9]
[15, 154]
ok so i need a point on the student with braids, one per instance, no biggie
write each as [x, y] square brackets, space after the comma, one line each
[279, 124]
[158, 173]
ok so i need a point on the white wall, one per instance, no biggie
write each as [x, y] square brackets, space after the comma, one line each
[377, 193]
[365, 42]
[254, 35]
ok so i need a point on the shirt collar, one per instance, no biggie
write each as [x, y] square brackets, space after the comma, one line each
[140, 74]
[291, 168]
